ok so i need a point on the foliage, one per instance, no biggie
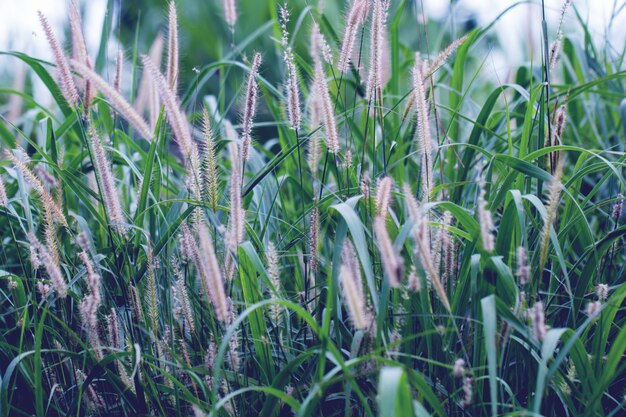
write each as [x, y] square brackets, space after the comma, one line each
[485, 276]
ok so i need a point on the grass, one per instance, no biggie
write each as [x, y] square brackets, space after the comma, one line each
[450, 318]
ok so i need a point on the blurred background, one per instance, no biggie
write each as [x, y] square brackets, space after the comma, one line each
[205, 38]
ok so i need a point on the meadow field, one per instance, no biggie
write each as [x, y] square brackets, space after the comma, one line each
[250, 208]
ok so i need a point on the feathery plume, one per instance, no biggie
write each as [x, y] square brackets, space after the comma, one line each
[392, 262]
[119, 63]
[210, 274]
[115, 98]
[52, 268]
[236, 221]
[113, 329]
[468, 383]
[422, 131]
[105, 175]
[485, 219]
[523, 269]
[4, 200]
[178, 122]
[356, 17]
[383, 196]
[79, 46]
[459, 368]
[172, 48]
[593, 308]
[152, 298]
[537, 318]
[352, 285]
[321, 89]
[375, 80]
[555, 51]
[291, 86]
[618, 208]
[602, 291]
[181, 297]
[79, 52]
[414, 284]
[91, 302]
[364, 186]
[146, 90]
[250, 107]
[315, 117]
[421, 232]
[175, 116]
[274, 276]
[230, 13]
[68, 88]
[554, 198]
[436, 63]
[313, 236]
[52, 212]
[136, 303]
[210, 178]
[446, 255]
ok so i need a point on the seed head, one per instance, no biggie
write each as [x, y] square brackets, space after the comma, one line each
[68, 88]
[250, 107]
[383, 196]
[393, 264]
[523, 269]
[486, 221]
[355, 19]
[115, 98]
[537, 318]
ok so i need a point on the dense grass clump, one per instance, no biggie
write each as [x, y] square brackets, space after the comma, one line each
[382, 231]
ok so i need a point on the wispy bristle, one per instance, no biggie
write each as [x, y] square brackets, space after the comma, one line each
[352, 285]
[115, 98]
[422, 131]
[68, 88]
[274, 275]
[91, 302]
[313, 237]
[52, 268]
[79, 51]
[4, 200]
[212, 280]
[179, 124]
[291, 86]
[537, 318]
[236, 221]
[392, 262]
[375, 80]
[436, 63]
[421, 233]
[209, 174]
[230, 13]
[354, 21]
[48, 203]
[523, 269]
[554, 198]
[181, 297]
[319, 83]
[172, 48]
[250, 107]
[485, 219]
[119, 63]
[107, 182]
[147, 96]
[383, 195]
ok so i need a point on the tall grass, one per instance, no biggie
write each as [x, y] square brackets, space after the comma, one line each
[411, 239]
